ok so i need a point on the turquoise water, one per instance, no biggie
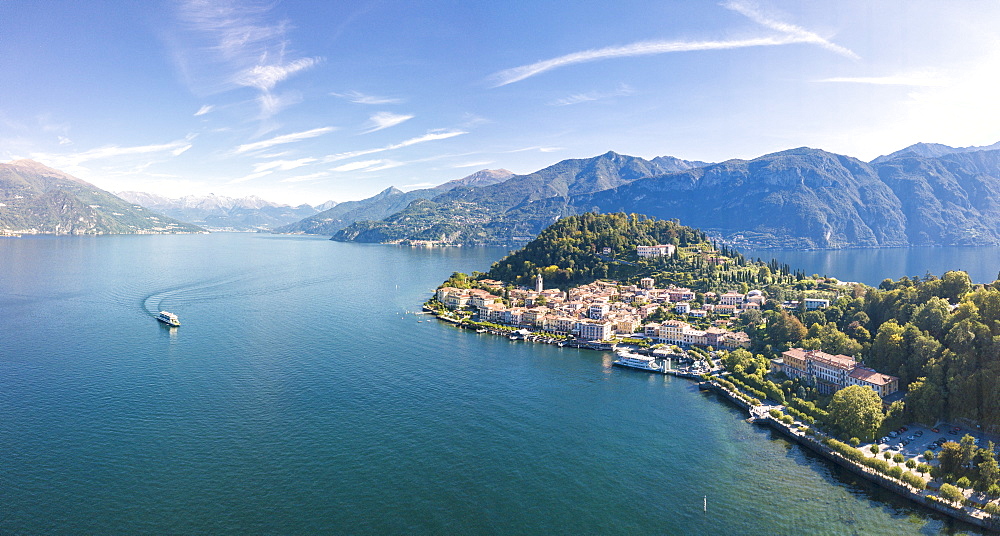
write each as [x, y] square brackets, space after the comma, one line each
[302, 396]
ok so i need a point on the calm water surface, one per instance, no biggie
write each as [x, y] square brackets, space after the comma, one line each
[871, 266]
[302, 396]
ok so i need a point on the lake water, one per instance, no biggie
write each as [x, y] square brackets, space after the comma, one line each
[871, 266]
[302, 396]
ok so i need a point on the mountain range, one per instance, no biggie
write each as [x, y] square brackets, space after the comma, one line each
[221, 213]
[35, 199]
[385, 203]
[925, 194]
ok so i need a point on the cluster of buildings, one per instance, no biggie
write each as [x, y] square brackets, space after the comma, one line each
[830, 373]
[603, 309]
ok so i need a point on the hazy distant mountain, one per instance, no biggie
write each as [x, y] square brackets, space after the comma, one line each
[218, 212]
[496, 214]
[38, 199]
[932, 150]
[385, 203]
[802, 197]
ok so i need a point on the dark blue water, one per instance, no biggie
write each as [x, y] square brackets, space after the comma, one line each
[301, 396]
[871, 266]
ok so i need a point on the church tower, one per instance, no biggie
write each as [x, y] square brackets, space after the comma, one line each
[538, 283]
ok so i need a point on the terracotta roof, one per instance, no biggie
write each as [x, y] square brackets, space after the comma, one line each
[873, 377]
[839, 361]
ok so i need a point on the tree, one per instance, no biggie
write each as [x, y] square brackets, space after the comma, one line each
[925, 400]
[950, 457]
[968, 449]
[989, 473]
[828, 338]
[857, 411]
[951, 493]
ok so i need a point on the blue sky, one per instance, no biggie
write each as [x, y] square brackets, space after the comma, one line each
[300, 101]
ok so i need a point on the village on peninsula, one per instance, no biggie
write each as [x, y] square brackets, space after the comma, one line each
[809, 384]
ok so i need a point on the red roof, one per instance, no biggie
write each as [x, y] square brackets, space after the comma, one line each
[873, 377]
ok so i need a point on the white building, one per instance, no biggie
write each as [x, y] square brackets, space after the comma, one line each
[591, 330]
[661, 250]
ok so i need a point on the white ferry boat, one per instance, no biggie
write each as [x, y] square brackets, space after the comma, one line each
[169, 319]
[636, 361]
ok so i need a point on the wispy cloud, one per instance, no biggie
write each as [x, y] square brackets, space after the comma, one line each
[911, 79]
[250, 177]
[383, 120]
[271, 104]
[539, 148]
[71, 160]
[386, 164]
[417, 186]
[430, 136]
[368, 166]
[205, 108]
[360, 98]
[282, 165]
[790, 34]
[622, 91]
[482, 163]
[286, 138]
[355, 166]
[644, 48]
[63, 140]
[229, 43]
[265, 77]
[800, 34]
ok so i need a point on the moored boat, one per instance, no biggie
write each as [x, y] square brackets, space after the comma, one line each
[636, 361]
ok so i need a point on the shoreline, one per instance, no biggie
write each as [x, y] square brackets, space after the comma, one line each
[960, 513]
[987, 522]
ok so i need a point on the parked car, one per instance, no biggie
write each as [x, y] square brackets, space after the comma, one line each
[919, 433]
[935, 430]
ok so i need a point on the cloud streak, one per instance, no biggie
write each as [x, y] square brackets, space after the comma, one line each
[250, 177]
[643, 48]
[790, 34]
[800, 34]
[383, 120]
[282, 165]
[309, 177]
[430, 136]
[913, 80]
[578, 98]
[174, 148]
[360, 98]
[265, 77]
[286, 138]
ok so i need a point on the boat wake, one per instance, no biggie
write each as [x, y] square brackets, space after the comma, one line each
[224, 288]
